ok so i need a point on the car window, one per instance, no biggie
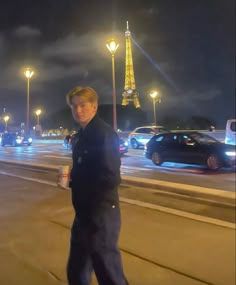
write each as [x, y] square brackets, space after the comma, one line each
[149, 131]
[141, 130]
[145, 130]
[170, 138]
[187, 140]
[202, 138]
[159, 138]
[233, 126]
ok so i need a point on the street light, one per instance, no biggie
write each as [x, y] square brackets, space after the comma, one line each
[6, 119]
[38, 112]
[112, 46]
[155, 98]
[28, 74]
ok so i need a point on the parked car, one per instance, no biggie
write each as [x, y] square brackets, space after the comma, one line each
[191, 148]
[141, 135]
[15, 139]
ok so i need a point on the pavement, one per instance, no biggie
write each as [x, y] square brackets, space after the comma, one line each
[156, 247]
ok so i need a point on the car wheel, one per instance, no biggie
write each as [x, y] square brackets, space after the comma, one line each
[213, 162]
[156, 158]
[134, 143]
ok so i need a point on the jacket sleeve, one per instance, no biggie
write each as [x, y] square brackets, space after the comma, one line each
[109, 172]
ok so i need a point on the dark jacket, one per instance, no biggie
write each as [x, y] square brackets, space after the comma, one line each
[95, 174]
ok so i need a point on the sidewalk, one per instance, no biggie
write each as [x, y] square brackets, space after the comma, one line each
[157, 248]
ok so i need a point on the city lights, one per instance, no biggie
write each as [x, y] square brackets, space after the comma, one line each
[28, 74]
[112, 46]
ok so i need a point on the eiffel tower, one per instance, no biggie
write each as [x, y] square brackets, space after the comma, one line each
[130, 93]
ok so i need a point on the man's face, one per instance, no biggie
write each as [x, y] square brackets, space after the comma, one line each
[82, 110]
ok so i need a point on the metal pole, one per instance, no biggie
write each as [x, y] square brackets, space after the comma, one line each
[154, 111]
[114, 94]
[27, 107]
[6, 126]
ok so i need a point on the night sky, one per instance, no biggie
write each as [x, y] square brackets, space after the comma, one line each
[183, 48]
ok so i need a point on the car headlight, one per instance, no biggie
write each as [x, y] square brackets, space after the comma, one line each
[18, 140]
[126, 143]
[230, 153]
[30, 140]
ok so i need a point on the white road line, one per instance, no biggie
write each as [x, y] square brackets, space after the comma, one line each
[57, 156]
[134, 168]
[179, 213]
[48, 151]
[128, 171]
[144, 205]
[27, 178]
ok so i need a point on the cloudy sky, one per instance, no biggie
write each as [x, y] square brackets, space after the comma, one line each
[183, 48]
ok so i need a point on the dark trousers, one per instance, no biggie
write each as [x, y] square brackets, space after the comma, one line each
[93, 246]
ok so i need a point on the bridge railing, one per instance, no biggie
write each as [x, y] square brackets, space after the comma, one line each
[217, 134]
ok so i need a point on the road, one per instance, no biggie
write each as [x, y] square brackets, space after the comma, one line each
[158, 245]
[167, 238]
[133, 164]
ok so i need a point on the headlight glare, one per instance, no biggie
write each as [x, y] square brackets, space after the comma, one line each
[230, 153]
[18, 140]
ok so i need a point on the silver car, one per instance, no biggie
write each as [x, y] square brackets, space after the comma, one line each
[141, 135]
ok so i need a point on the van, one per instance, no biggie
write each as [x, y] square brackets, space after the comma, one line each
[230, 133]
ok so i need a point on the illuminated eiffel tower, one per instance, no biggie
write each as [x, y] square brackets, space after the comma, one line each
[130, 93]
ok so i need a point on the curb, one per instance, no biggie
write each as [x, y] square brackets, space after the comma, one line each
[197, 192]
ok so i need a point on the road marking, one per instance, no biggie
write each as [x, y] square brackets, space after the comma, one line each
[45, 151]
[27, 178]
[56, 156]
[141, 204]
[179, 213]
[134, 168]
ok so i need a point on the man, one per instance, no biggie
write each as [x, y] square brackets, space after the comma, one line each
[95, 177]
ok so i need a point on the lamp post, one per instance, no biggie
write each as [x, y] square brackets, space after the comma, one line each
[6, 119]
[155, 98]
[112, 46]
[38, 112]
[28, 74]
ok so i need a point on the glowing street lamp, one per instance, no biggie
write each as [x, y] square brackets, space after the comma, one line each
[38, 112]
[112, 46]
[155, 98]
[28, 74]
[6, 119]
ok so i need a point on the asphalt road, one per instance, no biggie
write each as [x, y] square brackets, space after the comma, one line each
[191, 202]
[133, 164]
[158, 247]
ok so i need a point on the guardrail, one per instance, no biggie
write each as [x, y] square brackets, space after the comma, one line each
[218, 134]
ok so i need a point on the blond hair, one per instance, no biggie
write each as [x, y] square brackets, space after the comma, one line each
[86, 92]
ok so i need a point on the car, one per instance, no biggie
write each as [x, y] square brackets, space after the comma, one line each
[70, 140]
[141, 135]
[230, 132]
[123, 146]
[190, 148]
[15, 139]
